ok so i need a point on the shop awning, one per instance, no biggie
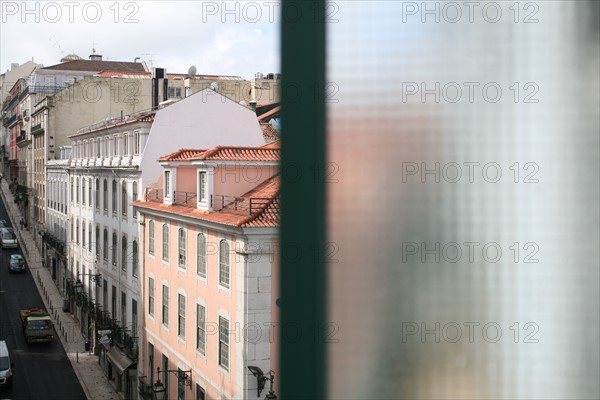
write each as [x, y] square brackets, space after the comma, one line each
[121, 361]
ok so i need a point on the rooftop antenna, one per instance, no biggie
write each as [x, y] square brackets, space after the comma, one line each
[57, 44]
[150, 60]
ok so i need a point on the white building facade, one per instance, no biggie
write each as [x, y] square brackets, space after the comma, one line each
[104, 180]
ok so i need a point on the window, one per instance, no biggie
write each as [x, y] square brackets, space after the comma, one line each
[82, 234]
[181, 243]
[200, 393]
[77, 233]
[133, 318]
[124, 253]
[83, 191]
[202, 186]
[201, 329]
[134, 258]
[151, 362]
[123, 308]
[114, 196]
[72, 190]
[125, 144]
[224, 263]
[201, 255]
[115, 143]
[98, 144]
[114, 249]
[165, 367]
[174, 92]
[90, 193]
[124, 198]
[151, 296]
[97, 242]
[165, 305]
[151, 237]
[77, 189]
[105, 196]
[105, 246]
[224, 343]
[180, 385]
[89, 237]
[97, 194]
[134, 196]
[165, 242]
[181, 316]
[167, 184]
[136, 143]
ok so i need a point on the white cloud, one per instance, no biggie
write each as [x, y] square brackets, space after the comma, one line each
[174, 35]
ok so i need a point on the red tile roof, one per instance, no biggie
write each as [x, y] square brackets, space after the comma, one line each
[109, 73]
[182, 155]
[275, 144]
[234, 153]
[269, 132]
[265, 211]
[226, 153]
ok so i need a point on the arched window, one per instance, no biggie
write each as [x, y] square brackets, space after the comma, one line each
[114, 196]
[182, 246]
[97, 194]
[105, 195]
[134, 259]
[105, 246]
[124, 253]
[224, 263]
[124, 198]
[201, 255]
[151, 237]
[114, 249]
[165, 242]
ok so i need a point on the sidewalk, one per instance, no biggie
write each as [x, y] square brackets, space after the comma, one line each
[87, 369]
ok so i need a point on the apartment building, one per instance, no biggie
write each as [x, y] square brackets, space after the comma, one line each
[210, 234]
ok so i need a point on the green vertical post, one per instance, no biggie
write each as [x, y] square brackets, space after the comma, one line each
[303, 274]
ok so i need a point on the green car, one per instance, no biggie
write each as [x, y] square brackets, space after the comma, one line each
[16, 263]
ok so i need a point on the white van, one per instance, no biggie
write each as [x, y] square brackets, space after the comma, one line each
[5, 366]
[8, 239]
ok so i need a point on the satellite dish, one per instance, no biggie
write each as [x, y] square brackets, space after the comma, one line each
[243, 103]
[191, 72]
[214, 86]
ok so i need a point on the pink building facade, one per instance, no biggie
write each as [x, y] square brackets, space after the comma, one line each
[210, 240]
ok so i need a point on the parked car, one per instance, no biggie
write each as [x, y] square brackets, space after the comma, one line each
[16, 263]
[3, 224]
[8, 239]
[5, 366]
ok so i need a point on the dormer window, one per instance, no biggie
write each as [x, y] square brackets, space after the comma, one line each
[167, 187]
[202, 186]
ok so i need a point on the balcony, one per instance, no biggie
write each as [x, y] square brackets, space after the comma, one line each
[22, 137]
[35, 128]
[9, 121]
[239, 205]
[185, 198]
[154, 195]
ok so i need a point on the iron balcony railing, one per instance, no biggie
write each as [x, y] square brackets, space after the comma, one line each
[36, 127]
[242, 205]
[185, 198]
[154, 195]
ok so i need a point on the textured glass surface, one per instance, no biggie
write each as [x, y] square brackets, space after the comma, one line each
[463, 207]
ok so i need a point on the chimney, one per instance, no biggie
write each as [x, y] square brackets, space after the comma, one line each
[95, 57]
[253, 105]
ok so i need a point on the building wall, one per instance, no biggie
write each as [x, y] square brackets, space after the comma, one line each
[202, 121]
[218, 301]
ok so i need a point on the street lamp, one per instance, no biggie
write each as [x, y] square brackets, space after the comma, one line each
[159, 388]
[261, 380]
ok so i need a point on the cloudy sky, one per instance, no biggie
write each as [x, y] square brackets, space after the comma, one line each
[227, 38]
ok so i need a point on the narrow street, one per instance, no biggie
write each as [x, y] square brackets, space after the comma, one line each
[42, 370]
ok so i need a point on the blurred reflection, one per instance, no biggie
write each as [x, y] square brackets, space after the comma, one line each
[463, 199]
